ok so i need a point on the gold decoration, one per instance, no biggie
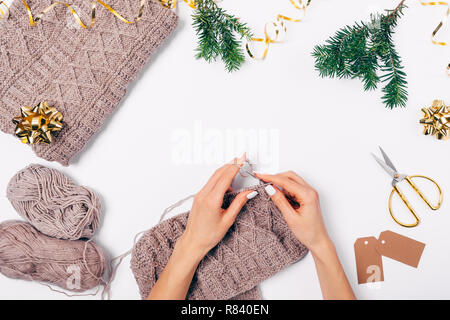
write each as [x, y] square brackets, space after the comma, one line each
[4, 11]
[436, 120]
[34, 20]
[36, 124]
[440, 25]
[172, 4]
[436, 30]
[273, 30]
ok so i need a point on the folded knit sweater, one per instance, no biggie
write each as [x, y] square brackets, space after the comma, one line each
[83, 73]
[256, 247]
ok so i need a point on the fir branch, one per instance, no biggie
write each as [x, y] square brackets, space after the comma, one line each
[331, 58]
[216, 31]
[361, 50]
[395, 93]
[208, 47]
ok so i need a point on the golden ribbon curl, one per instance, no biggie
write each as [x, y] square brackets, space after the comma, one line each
[34, 20]
[440, 25]
[278, 27]
[436, 30]
[436, 120]
[36, 124]
[4, 11]
[172, 4]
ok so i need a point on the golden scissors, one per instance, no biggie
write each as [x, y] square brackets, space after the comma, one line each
[388, 166]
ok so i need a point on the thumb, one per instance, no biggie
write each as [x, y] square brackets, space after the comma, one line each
[280, 201]
[235, 207]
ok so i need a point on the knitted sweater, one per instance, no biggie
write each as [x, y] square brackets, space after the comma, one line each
[256, 247]
[82, 73]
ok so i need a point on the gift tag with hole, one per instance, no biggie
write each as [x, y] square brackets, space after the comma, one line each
[369, 264]
[400, 248]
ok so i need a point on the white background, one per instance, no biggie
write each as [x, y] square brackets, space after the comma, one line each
[327, 129]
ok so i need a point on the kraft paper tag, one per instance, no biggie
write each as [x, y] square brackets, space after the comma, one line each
[400, 248]
[369, 264]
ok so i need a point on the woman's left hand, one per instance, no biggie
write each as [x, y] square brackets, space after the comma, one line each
[208, 222]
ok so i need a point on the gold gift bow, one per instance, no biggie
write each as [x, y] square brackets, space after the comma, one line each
[4, 10]
[36, 124]
[436, 120]
[279, 27]
[35, 20]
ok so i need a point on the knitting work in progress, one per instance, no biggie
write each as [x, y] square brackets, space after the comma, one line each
[256, 247]
[53, 203]
[28, 254]
[82, 73]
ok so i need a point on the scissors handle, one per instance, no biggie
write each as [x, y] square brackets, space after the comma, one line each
[417, 190]
[408, 205]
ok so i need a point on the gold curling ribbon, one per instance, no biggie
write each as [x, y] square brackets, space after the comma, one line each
[279, 27]
[4, 11]
[35, 20]
[436, 30]
[172, 4]
[439, 26]
[36, 124]
[436, 120]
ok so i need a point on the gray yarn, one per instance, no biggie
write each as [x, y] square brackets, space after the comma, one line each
[53, 203]
[27, 254]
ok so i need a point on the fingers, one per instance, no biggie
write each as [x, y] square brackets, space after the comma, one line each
[235, 207]
[285, 182]
[217, 175]
[226, 178]
[280, 201]
[299, 190]
[213, 180]
[294, 177]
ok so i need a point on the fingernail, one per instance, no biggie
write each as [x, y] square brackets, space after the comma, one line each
[251, 195]
[270, 190]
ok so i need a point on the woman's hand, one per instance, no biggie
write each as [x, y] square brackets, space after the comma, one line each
[207, 225]
[208, 222]
[305, 220]
[299, 204]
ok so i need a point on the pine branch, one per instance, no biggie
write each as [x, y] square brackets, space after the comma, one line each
[208, 47]
[361, 51]
[395, 91]
[216, 31]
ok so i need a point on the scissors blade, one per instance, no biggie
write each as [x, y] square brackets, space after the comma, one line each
[387, 160]
[386, 168]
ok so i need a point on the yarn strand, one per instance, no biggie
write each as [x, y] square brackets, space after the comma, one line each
[106, 294]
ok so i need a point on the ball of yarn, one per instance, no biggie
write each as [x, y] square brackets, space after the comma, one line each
[28, 254]
[53, 203]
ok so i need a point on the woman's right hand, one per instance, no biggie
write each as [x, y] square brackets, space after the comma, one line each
[305, 221]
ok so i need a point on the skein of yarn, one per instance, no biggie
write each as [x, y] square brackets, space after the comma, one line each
[28, 254]
[53, 203]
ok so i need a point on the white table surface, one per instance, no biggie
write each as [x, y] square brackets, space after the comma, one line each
[324, 129]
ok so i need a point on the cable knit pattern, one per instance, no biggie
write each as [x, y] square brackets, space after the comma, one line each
[83, 73]
[255, 248]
